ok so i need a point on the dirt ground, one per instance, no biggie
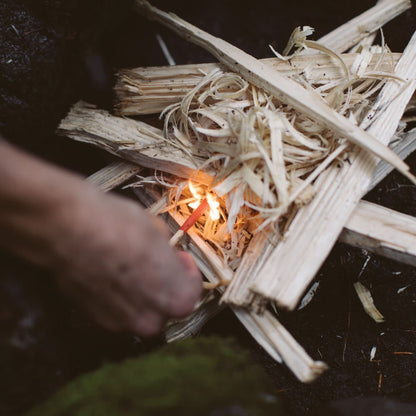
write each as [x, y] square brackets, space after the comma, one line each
[54, 52]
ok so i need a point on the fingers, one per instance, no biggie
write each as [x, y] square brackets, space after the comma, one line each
[149, 324]
[182, 286]
[189, 263]
[121, 269]
[115, 313]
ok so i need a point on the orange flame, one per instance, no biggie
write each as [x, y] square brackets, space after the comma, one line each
[212, 202]
[213, 207]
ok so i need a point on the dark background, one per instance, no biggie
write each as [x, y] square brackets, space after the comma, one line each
[55, 52]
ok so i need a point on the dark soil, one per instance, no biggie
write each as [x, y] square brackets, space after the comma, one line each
[54, 52]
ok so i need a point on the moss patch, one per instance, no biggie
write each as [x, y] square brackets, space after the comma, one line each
[205, 376]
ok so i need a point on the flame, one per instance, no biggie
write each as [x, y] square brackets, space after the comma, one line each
[212, 202]
[196, 195]
[213, 207]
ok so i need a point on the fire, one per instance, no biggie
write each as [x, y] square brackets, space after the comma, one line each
[214, 212]
[196, 194]
[213, 207]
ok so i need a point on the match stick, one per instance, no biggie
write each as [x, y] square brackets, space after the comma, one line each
[191, 220]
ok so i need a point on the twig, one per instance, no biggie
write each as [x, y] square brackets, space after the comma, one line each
[165, 50]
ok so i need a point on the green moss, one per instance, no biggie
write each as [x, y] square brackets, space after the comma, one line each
[203, 376]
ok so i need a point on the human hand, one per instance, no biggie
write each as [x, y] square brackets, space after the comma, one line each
[106, 251]
[115, 260]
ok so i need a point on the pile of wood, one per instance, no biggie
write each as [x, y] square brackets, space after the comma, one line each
[286, 146]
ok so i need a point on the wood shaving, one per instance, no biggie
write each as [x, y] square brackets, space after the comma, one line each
[266, 156]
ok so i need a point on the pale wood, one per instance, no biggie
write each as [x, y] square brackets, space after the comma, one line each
[350, 33]
[403, 147]
[265, 328]
[265, 77]
[316, 227]
[382, 231]
[129, 139]
[150, 90]
[378, 236]
[273, 336]
[238, 293]
[340, 40]
[114, 175]
[292, 353]
[367, 302]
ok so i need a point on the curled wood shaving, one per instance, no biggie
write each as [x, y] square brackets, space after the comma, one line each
[266, 155]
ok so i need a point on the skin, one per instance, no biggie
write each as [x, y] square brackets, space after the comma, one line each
[106, 252]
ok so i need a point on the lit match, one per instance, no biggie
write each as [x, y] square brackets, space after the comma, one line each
[191, 220]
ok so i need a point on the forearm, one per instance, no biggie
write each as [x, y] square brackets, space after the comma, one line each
[35, 200]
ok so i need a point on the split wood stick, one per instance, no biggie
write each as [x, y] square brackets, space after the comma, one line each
[192, 324]
[339, 40]
[150, 90]
[270, 333]
[382, 231]
[377, 229]
[403, 146]
[365, 42]
[317, 226]
[129, 139]
[283, 88]
[383, 242]
[292, 353]
[350, 33]
[114, 175]
[265, 328]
